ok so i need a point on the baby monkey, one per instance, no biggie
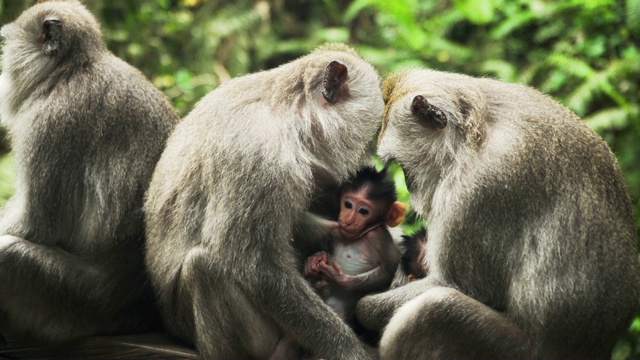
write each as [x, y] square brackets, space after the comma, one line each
[413, 262]
[361, 256]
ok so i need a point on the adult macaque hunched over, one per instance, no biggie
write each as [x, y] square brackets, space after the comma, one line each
[87, 130]
[235, 181]
[532, 247]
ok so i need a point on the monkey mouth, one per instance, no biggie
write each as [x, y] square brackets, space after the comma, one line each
[347, 234]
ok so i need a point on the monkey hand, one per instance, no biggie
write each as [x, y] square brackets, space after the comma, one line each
[334, 274]
[311, 266]
[321, 285]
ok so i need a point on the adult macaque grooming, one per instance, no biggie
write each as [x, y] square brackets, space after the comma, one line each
[87, 130]
[362, 257]
[235, 181]
[532, 248]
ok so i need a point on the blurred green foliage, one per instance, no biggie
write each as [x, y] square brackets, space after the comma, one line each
[585, 53]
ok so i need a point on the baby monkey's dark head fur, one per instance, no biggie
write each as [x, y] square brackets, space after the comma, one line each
[378, 185]
[413, 252]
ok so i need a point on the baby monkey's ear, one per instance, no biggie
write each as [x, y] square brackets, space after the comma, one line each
[396, 214]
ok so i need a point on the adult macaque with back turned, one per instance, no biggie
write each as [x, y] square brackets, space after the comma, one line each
[86, 130]
[532, 247]
[232, 189]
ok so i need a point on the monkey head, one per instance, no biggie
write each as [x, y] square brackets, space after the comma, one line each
[340, 108]
[414, 251]
[368, 201]
[48, 34]
[427, 120]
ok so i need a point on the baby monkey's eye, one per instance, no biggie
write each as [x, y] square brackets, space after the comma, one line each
[363, 211]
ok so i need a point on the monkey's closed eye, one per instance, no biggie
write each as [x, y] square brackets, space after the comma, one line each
[428, 114]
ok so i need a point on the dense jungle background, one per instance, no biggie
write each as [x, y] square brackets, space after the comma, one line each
[585, 53]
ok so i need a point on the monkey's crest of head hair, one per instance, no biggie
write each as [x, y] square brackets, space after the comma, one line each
[60, 29]
[463, 104]
[378, 184]
[391, 91]
[337, 47]
[47, 42]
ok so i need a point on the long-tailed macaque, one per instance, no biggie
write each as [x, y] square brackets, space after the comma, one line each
[361, 257]
[532, 247]
[86, 130]
[232, 189]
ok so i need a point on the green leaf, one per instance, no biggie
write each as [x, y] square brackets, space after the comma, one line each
[512, 23]
[400, 11]
[633, 16]
[571, 65]
[7, 177]
[503, 70]
[333, 34]
[608, 119]
[479, 12]
[356, 7]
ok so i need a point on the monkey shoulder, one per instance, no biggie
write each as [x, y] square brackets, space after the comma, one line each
[381, 241]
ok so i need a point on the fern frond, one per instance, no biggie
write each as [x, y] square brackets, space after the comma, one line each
[610, 119]
[571, 65]
[633, 16]
[503, 70]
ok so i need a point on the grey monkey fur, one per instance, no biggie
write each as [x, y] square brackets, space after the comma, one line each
[86, 130]
[237, 176]
[532, 247]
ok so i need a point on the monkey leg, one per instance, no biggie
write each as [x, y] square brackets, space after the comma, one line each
[443, 323]
[51, 295]
[225, 324]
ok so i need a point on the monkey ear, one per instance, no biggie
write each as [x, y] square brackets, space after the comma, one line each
[428, 114]
[396, 214]
[334, 77]
[51, 35]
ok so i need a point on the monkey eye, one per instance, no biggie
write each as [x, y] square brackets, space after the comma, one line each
[348, 204]
[363, 211]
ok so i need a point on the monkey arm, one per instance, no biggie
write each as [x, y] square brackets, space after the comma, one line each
[313, 227]
[374, 311]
